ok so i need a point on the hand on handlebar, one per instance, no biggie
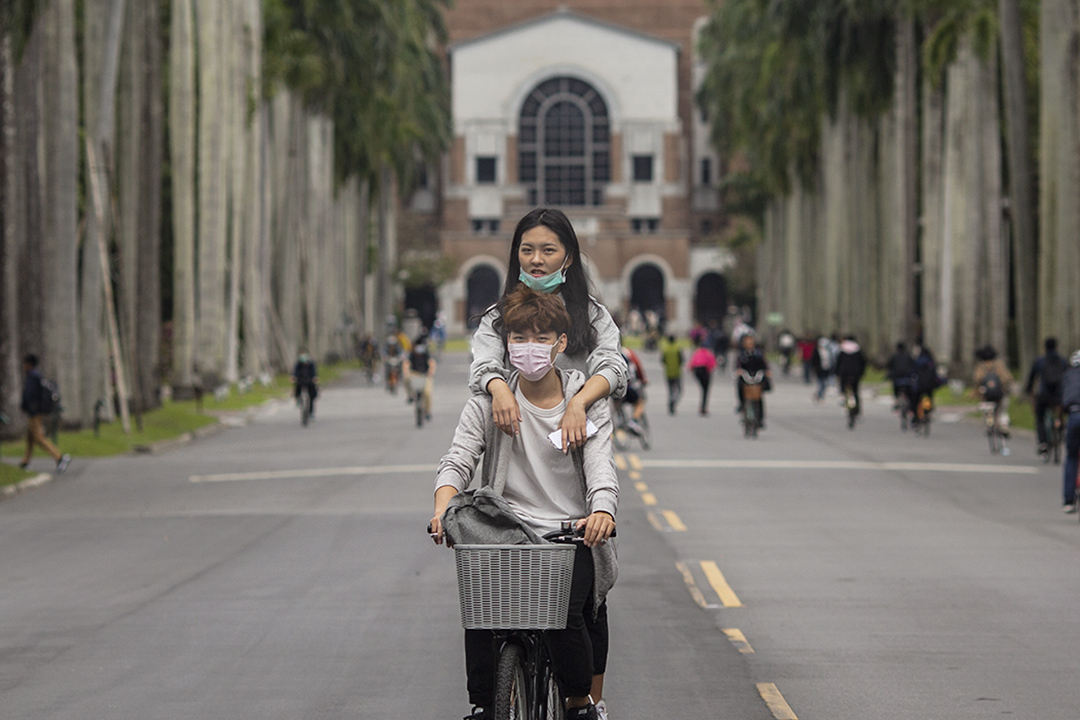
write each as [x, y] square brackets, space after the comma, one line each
[598, 528]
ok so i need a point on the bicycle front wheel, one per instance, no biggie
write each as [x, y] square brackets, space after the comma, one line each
[553, 699]
[511, 692]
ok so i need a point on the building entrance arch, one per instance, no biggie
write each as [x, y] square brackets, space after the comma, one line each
[647, 290]
[424, 301]
[710, 298]
[481, 292]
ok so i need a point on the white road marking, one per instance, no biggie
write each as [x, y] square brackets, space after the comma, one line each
[299, 474]
[303, 473]
[842, 465]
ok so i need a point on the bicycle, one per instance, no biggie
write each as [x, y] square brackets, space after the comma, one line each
[1054, 422]
[995, 434]
[498, 591]
[305, 404]
[752, 403]
[626, 429]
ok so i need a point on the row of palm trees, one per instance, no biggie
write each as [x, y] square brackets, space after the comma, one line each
[220, 173]
[891, 148]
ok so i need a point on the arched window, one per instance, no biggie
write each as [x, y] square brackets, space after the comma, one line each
[564, 153]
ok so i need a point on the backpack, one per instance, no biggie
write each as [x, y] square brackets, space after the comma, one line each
[991, 387]
[48, 397]
[1052, 374]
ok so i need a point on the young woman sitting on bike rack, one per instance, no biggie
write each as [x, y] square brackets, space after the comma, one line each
[544, 485]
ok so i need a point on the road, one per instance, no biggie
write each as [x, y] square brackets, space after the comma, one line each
[818, 573]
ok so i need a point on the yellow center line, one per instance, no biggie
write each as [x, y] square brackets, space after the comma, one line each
[620, 461]
[635, 462]
[641, 487]
[695, 591]
[635, 475]
[654, 521]
[648, 498]
[673, 521]
[737, 639]
[775, 701]
[727, 596]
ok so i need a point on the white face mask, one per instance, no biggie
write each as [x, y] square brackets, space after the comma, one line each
[534, 360]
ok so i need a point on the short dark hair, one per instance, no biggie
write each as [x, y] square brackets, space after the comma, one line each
[1050, 344]
[30, 359]
[540, 312]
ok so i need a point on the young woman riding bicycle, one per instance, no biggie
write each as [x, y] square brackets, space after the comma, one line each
[543, 483]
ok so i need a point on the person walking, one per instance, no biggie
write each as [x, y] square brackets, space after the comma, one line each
[672, 357]
[35, 405]
[823, 367]
[1070, 401]
[702, 363]
[806, 355]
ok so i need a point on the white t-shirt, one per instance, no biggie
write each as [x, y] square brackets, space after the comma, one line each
[542, 486]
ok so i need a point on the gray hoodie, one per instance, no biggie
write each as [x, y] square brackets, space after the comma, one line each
[477, 436]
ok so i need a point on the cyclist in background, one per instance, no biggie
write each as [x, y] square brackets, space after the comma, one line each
[543, 485]
[901, 370]
[926, 382]
[1070, 400]
[421, 365]
[635, 387]
[993, 383]
[751, 361]
[305, 375]
[1048, 371]
[850, 367]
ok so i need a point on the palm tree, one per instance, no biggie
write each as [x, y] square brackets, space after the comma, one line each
[182, 154]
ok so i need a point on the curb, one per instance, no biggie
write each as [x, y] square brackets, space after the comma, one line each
[27, 484]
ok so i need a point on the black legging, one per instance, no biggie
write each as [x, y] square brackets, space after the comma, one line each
[703, 376]
[577, 653]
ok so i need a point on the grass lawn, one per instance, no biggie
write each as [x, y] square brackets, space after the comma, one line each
[170, 421]
[11, 474]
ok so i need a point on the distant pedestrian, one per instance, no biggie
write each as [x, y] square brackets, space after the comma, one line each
[35, 404]
[702, 363]
[672, 357]
[823, 366]
[806, 354]
[786, 343]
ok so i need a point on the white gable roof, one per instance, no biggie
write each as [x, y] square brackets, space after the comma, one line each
[637, 74]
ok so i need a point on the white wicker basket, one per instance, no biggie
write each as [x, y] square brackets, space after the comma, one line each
[514, 587]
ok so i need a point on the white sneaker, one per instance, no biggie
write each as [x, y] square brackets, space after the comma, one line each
[601, 710]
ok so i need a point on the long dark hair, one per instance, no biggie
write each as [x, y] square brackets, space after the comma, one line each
[574, 291]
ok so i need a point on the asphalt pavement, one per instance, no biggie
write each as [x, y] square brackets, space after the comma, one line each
[275, 571]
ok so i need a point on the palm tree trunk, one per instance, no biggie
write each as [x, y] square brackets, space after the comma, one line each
[94, 374]
[61, 122]
[1021, 208]
[182, 158]
[907, 146]
[9, 283]
[148, 314]
[235, 78]
[212, 190]
[1059, 172]
[933, 204]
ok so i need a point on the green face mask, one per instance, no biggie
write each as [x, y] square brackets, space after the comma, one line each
[544, 283]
